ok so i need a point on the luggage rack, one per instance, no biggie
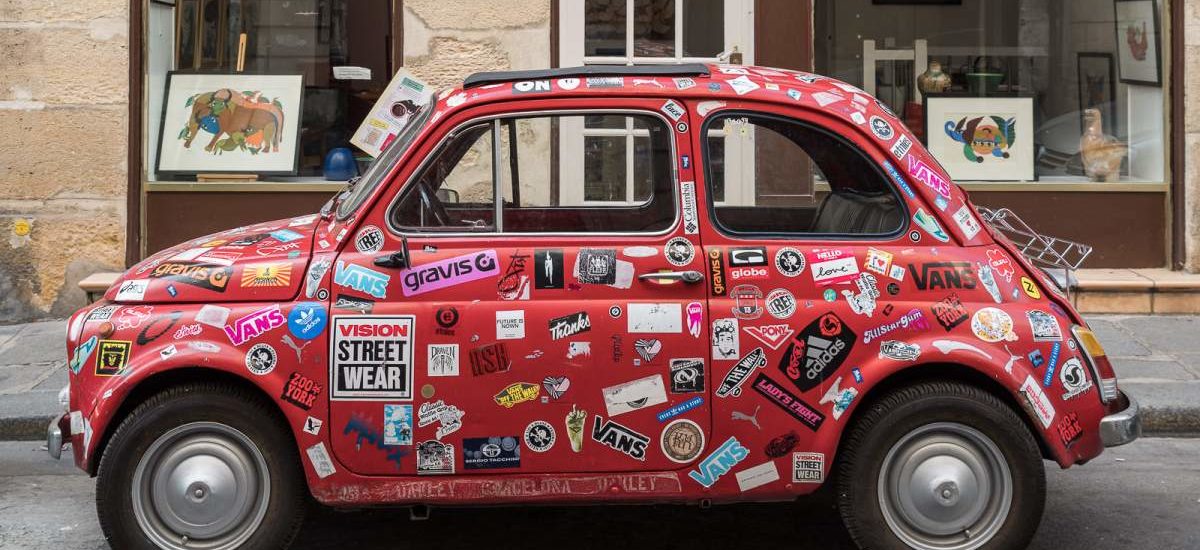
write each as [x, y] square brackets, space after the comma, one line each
[1048, 251]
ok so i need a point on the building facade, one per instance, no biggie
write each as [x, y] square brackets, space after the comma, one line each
[86, 109]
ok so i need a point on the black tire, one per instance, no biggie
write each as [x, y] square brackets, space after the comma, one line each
[917, 416]
[181, 407]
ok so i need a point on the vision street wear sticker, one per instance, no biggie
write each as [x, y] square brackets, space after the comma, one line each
[614, 436]
[682, 441]
[539, 436]
[725, 341]
[687, 194]
[482, 453]
[679, 251]
[435, 458]
[261, 359]
[719, 463]
[732, 384]
[442, 360]
[372, 357]
[757, 476]
[808, 467]
[448, 417]
[687, 375]
[634, 395]
[321, 463]
[369, 240]
[789, 261]
[817, 351]
[112, 357]
[448, 272]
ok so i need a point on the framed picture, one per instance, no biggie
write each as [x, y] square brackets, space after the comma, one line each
[230, 124]
[1138, 47]
[1097, 89]
[982, 138]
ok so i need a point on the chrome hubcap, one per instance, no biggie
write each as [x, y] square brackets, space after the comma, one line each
[945, 486]
[202, 485]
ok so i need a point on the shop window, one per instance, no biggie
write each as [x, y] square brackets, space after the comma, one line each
[455, 191]
[859, 202]
[342, 51]
[1038, 91]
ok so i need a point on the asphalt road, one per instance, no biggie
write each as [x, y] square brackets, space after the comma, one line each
[1145, 496]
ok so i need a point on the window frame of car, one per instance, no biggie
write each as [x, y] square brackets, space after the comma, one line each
[380, 170]
[752, 114]
[410, 183]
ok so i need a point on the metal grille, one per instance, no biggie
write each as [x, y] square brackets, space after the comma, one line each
[1041, 249]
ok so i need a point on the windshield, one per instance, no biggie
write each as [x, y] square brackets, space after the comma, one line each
[378, 170]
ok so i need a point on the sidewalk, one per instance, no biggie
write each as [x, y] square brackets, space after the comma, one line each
[1157, 359]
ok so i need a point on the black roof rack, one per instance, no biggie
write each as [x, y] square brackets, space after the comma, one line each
[687, 69]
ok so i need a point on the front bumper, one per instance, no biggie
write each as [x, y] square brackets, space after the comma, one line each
[54, 435]
[1122, 427]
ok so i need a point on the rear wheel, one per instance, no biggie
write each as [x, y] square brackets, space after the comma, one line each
[200, 466]
[940, 466]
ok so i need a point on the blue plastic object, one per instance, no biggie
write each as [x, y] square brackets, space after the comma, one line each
[340, 165]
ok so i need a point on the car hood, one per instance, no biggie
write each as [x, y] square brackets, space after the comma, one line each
[260, 262]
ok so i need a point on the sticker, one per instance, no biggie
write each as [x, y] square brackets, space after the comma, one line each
[771, 335]
[604, 82]
[516, 393]
[369, 240]
[640, 251]
[757, 256]
[489, 359]
[397, 425]
[105, 313]
[539, 436]
[307, 320]
[372, 357]
[312, 280]
[526, 87]
[742, 85]
[321, 463]
[949, 312]
[579, 349]
[200, 275]
[575, 421]
[261, 359]
[1073, 378]
[817, 351]
[781, 304]
[863, 303]
[561, 327]
[695, 318]
[548, 269]
[841, 398]
[568, 83]
[442, 360]
[682, 441]
[647, 349]
[510, 325]
[992, 325]
[1069, 429]
[684, 83]
[597, 266]
[448, 417]
[930, 225]
[362, 279]
[926, 175]
[615, 436]
[747, 302]
[447, 273]
[679, 251]
[808, 467]
[112, 357]
[901, 147]
[782, 445]
[717, 464]
[900, 181]
[664, 318]
[301, 391]
[705, 107]
[732, 384]
[882, 129]
[899, 351]
[556, 386]
[966, 222]
[725, 341]
[514, 284]
[82, 353]
[687, 375]
[132, 290]
[789, 402]
[634, 395]
[435, 458]
[834, 271]
[1044, 326]
[757, 476]
[482, 453]
[825, 99]
[687, 192]
[790, 262]
[266, 275]
[1031, 289]
[716, 272]
[673, 110]
[1038, 401]
[679, 409]
[312, 426]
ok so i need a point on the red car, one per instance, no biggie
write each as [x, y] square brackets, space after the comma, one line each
[693, 284]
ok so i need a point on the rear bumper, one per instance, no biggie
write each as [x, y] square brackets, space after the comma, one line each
[1122, 427]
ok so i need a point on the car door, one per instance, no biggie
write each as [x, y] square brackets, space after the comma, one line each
[536, 343]
[803, 275]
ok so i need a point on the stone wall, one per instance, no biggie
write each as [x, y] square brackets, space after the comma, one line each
[63, 111]
[1191, 113]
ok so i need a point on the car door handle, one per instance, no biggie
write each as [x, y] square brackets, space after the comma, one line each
[689, 277]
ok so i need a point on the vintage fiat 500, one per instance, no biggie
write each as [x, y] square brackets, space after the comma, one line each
[692, 284]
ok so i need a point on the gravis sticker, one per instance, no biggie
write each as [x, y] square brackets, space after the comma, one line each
[635, 395]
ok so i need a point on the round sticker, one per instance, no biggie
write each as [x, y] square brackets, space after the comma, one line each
[915, 236]
[369, 240]
[539, 436]
[1030, 288]
[427, 391]
[789, 261]
[679, 251]
[682, 441]
[568, 83]
[614, 311]
[447, 317]
[261, 359]
[830, 295]
[882, 129]
[307, 320]
[781, 304]
[682, 126]
[992, 325]
[893, 289]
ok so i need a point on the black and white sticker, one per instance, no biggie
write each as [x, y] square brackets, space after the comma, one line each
[789, 261]
[691, 224]
[882, 129]
[539, 436]
[372, 357]
[261, 359]
[369, 240]
[679, 251]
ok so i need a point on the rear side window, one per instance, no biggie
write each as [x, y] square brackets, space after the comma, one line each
[771, 175]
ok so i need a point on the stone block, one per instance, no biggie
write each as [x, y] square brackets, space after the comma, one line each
[62, 10]
[1177, 302]
[496, 14]
[451, 59]
[64, 65]
[1113, 302]
[63, 151]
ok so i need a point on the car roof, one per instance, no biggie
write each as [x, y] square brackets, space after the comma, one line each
[496, 77]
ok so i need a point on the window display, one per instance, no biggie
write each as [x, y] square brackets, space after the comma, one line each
[1080, 83]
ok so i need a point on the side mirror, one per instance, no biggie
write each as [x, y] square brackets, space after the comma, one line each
[398, 259]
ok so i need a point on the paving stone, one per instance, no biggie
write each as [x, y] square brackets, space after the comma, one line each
[38, 345]
[1167, 333]
[1141, 369]
[57, 379]
[1117, 341]
[22, 378]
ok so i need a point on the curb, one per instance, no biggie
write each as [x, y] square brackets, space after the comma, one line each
[1156, 422]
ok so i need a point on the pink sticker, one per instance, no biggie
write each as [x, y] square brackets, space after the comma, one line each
[695, 318]
[925, 174]
[255, 324]
[449, 272]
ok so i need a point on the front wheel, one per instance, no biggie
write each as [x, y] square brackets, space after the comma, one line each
[200, 467]
[940, 466]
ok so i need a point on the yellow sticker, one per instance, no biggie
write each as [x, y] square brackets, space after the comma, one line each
[21, 227]
[1030, 288]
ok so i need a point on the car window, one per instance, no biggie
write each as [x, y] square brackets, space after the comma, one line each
[378, 170]
[764, 174]
[599, 173]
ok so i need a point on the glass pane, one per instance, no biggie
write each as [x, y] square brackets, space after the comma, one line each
[604, 28]
[716, 167]
[605, 121]
[703, 28]
[643, 169]
[455, 191]
[604, 168]
[654, 28]
[186, 39]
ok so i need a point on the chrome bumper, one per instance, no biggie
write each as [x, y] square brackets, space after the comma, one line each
[54, 439]
[1122, 427]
